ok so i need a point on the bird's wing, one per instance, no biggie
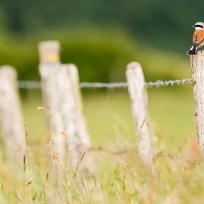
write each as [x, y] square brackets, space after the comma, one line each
[198, 38]
[198, 43]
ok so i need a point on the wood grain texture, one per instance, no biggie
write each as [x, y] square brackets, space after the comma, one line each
[77, 138]
[61, 93]
[197, 67]
[138, 95]
[11, 120]
[49, 70]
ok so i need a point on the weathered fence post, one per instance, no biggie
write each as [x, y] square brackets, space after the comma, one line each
[197, 66]
[49, 68]
[60, 84]
[71, 109]
[137, 92]
[11, 121]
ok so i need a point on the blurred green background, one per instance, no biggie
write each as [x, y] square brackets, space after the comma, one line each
[100, 36]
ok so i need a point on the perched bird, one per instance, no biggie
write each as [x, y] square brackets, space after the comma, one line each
[198, 38]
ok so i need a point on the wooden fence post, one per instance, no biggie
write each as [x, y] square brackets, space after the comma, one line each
[11, 121]
[60, 84]
[49, 67]
[137, 92]
[71, 109]
[197, 67]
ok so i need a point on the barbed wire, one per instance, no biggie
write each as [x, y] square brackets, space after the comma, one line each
[111, 85]
[29, 84]
[160, 83]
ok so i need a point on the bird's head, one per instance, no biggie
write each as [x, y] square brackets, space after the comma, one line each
[198, 26]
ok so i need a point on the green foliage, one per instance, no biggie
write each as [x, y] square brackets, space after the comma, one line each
[160, 22]
[94, 35]
[100, 54]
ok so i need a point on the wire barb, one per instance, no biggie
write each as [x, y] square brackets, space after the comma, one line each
[160, 83]
[112, 85]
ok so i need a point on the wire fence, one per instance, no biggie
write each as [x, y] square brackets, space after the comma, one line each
[111, 85]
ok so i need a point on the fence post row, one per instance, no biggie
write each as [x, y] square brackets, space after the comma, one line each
[60, 84]
[137, 92]
[11, 120]
[197, 67]
[61, 94]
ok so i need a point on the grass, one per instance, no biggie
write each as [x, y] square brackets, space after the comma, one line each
[176, 176]
[108, 115]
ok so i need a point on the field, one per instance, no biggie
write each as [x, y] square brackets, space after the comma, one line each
[176, 176]
[101, 38]
[109, 118]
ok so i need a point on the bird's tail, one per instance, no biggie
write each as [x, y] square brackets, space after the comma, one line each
[193, 50]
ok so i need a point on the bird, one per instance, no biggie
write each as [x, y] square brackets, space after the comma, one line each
[198, 38]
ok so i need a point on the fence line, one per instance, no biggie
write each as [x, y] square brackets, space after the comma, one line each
[67, 122]
[24, 84]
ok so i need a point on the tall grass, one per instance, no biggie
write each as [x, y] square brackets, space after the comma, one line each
[176, 175]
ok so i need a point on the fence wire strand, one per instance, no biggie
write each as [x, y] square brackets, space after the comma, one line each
[112, 85]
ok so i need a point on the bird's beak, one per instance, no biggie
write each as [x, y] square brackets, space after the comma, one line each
[193, 26]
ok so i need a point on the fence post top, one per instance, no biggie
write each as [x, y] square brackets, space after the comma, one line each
[49, 51]
[197, 60]
[71, 70]
[8, 71]
[73, 66]
[199, 54]
[134, 65]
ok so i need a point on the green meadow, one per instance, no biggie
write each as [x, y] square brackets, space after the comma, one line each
[175, 177]
[108, 115]
[101, 37]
